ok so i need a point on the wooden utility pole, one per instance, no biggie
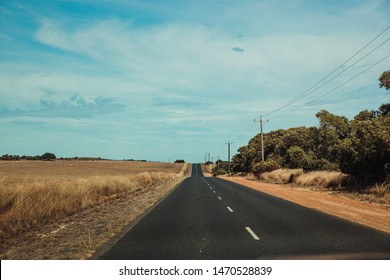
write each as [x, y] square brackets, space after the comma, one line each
[261, 135]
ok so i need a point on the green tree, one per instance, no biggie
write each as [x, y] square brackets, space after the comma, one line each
[384, 110]
[299, 136]
[48, 156]
[332, 130]
[242, 161]
[384, 80]
[295, 157]
[221, 168]
[364, 115]
[366, 153]
[274, 144]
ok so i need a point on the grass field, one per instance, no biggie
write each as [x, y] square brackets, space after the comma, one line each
[37, 192]
[72, 169]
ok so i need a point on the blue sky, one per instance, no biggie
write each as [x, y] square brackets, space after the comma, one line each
[160, 80]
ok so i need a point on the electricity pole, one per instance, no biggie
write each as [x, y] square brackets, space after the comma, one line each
[261, 135]
[228, 143]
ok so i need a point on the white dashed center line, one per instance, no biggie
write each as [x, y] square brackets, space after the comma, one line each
[255, 237]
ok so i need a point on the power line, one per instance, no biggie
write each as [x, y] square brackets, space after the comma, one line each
[339, 74]
[361, 73]
[332, 90]
[313, 88]
[245, 132]
[324, 81]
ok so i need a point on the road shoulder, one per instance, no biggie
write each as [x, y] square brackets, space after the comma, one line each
[364, 213]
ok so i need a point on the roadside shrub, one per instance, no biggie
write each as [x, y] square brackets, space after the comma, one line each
[264, 166]
[219, 172]
[275, 157]
[366, 153]
[282, 176]
[295, 157]
[314, 163]
[326, 179]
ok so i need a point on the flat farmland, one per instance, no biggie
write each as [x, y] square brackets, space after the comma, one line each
[34, 194]
[73, 169]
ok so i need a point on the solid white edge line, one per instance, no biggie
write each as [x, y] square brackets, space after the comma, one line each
[230, 209]
[252, 233]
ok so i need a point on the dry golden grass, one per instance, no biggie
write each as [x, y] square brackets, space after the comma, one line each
[282, 176]
[32, 193]
[72, 169]
[379, 193]
[330, 180]
[325, 179]
[381, 189]
[208, 168]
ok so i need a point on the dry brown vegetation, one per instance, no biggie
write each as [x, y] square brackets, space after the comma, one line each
[71, 169]
[325, 179]
[33, 193]
[330, 181]
[281, 176]
[208, 168]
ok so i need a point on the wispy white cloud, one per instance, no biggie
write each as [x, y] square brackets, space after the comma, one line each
[75, 107]
[184, 59]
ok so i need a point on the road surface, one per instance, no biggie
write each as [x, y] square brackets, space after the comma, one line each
[210, 218]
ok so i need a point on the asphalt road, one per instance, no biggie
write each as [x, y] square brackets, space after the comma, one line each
[210, 218]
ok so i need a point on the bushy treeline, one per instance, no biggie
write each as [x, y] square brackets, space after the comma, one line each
[220, 167]
[359, 147]
[45, 156]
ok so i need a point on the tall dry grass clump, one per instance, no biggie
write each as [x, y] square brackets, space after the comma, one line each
[331, 180]
[379, 192]
[325, 179]
[282, 176]
[208, 168]
[32, 201]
